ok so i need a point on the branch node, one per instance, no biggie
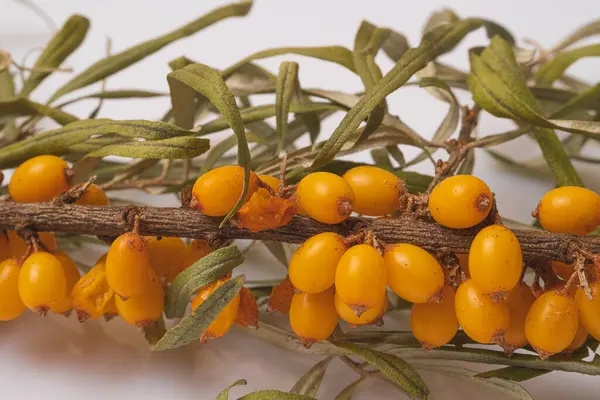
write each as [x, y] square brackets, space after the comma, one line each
[74, 193]
[185, 196]
[131, 217]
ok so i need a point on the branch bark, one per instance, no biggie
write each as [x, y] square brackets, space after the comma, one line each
[111, 221]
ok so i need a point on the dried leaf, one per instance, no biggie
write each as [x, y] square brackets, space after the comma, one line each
[275, 395]
[393, 367]
[191, 326]
[224, 395]
[62, 44]
[311, 381]
[439, 18]
[204, 271]
[555, 68]
[247, 315]
[170, 149]
[590, 29]
[281, 296]
[20, 107]
[286, 83]
[115, 63]
[348, 392]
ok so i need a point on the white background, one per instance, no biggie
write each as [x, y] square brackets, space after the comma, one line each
[57, 358]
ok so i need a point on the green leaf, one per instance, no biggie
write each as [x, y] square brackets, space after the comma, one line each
[393, 367]
[224, 395]
[198, 78]
[556, 67]
[435, 43]
[155, 331]
[115, 63]
[168, 149]
[311, 381]
[381, 158]
[515, 374]
[590, 29]
[499, 138]
[588, 98]
[193, 325]
[395, 45]
[439, 18]
[275, 395]
[204, 271]
[348, 391]
[286, 83]
[20, 106]
[217, 152]
[115, 94]
[8, 127]
[62, 44]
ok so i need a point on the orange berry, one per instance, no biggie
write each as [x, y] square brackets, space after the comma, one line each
[570, 209]
[313, 317]
[552, 323]
[589, 310]
[143, 309]
[72, 276]
[167, 255]
[413, 273]
[216, 192]
[376, 191]
[42, 282]
[271, 181]
[325, 197]
[197, 249]
[4, 247]
[111, 307]
[579, 339]
[128, 269]
[519, 301]
[11, 305]
[93, 196]
[369, 316]
[460, 201]
[360, 278]
[224, 321]
[38, 179]
[435, 324]
[481, 319]
[18, 247]
[91, 293]
[562, 270]
[495, 260]
[313, 265]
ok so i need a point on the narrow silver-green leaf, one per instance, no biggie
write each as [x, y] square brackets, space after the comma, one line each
[20, 107]
[286, 83]
[434, 43]
[395, 45]
[62, 44]
[348, 391]
[115, 63]
[204, 271]
[515, 374]
[556, 67]
[588, 98]
[8, 126]
[170, 149]
[155, 331]
[224, 395]
[217, 151]
[275, 395]
[115, 94]
[381, 158]
[311, 381]
[590, 29]
[393, 367]
[191, 326]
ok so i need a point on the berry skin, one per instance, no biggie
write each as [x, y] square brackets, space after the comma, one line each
[562, 270]
[271, 181]
[313, 317]
[145, 308]
[111, 308]
[128, 268]
[481, 319]
[551, 323]
[589, 311]
[325, 197]
[579, 339]
[413, 273]
[11, 305]
[72, 276]
[93, 196]
[360, 278]
[167, 256]
[435, 324]
[224, 321]
[91, 293]
[197, 249]
[39, 179]
[460, 201]
[264, 211]
[313, 265]
[42, 282]
[376, 191]
[216, 192]
[519, 301]
[4, 247]
[495, 260]
[18, 247]
[569, 209]
[369, 316]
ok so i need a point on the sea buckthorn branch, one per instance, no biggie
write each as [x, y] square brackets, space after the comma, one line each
[107, 221]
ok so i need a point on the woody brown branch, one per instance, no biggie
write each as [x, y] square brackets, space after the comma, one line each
[107, 221]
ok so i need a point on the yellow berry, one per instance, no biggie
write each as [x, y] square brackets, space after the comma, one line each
[72, 276]
[128, 269]
[38, 179]
[224, 321]
[313, 265]
[434, 324]
[570, 209]
[376, 191]
[325, 197]
[482, 319]
[360, 278]
[42, 282]
[143, 309]
[460, 201]
[271, 181]
[579, 339]
[589, 310]
[11, 305]
[413, 273]
[197, 249]
[167, 255]
[111, 307]
[93, 196]
[216, 192]
[313, 317]
[4, 247]
[495, 260]
[552, 322]
[519, 301]
[370, 315]
[18, 247]
[91, 293]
